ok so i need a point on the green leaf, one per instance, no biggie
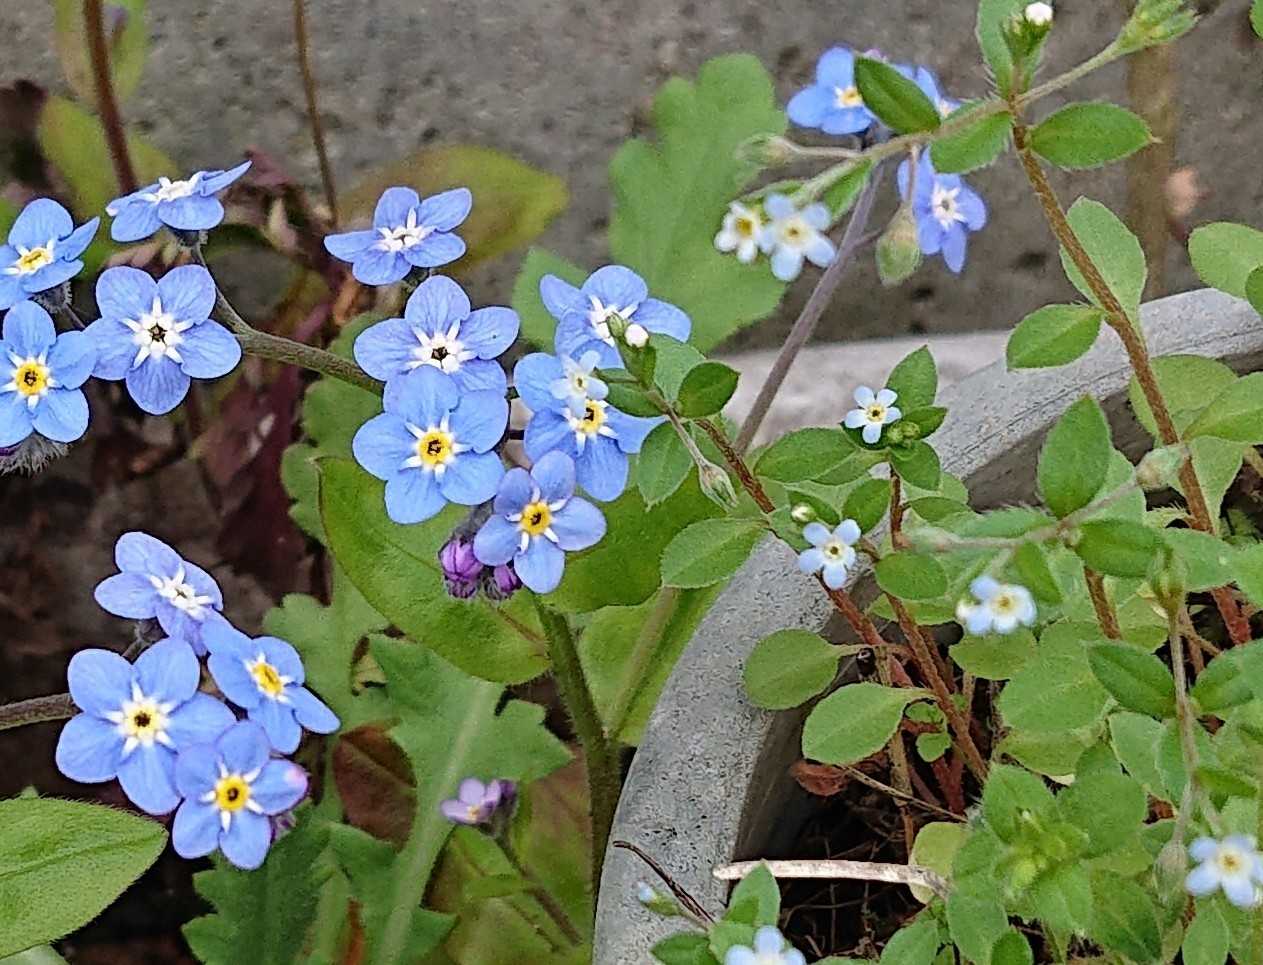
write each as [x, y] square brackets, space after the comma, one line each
[804, 454]
[976, 921]
[1089, 135]
[840, 196]
[756, 900]
[1248, 569]
[396, 568]
[911, 576]
[914, 380]
[1075, 458]
[1256, 17]
[995, 656]
[1135, 738]
[1206, 939]
[1054, 335]
[1188, 383]
[263, 916]
[896, 100]
[855, 722]
[670, 198]
[1236, 413]
[1226, 254]
[789, 667]
[631, 399]
[706, 390]
[932, 745]
[977, 146]
[1031, 563]
[1137, 680]
[685, 948]
[1057, 691]
[1117, 547]
[867, 503]
[1062, 899]
[1012, 948]
[1208, 560]
[663, 465]
[63, 862]
[1254, 289]
[1225, 683]
[538, 324]
[917, 464]
[1114, 250]
[709, 551]
[935, 848]
[725, 934]
[1108, 805]
[992, 16]
[127, 45]
[914, 944]
[513, 201]
[1125, 920]
[1010, 797]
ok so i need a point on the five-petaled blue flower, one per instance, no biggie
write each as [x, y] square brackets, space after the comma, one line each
[590, 431]
[158, 335]
[831, 553]
[833, 103]
[583, 314]
[230, 788]
[407, 233]
[927, 80]
[134, 719]
[438, 329]
[155, 583]
[40, 377]
[265, 677]
[537, 520]
[433, 445]
[43, 251]
[793, 235]
[188, 205]
[946, 211]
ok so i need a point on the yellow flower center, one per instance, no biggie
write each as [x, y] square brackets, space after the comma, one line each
[267, 678]
[31, 378]
[876, 413]
[746, 226]
[536, 518]
[144, 721]
[1003, 603]
[232, 793]
[592, 419]
[847, 96]
[34, 260]
[435, 448]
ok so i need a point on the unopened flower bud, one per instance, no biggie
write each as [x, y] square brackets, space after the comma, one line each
[716, 485]
[636, 336]
[1160, 467]
[802, 514]
[1155, 22]
[617, 325]
[898, 250]
[502, 583]
[1038, 14]
[765, 150]
[461, 568]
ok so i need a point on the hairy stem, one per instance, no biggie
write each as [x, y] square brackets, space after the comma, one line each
[805, 325]
[313, 108]
[1105, 614]
[37, 710]
[545, 899]
[106, 102]
[643, 650]
[600, 755]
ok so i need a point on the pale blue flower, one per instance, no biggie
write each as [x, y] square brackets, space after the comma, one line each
[407, 233]
[188, 205]
[770, 948]
[875, 411]
[927, 80]
[946, 211]
[831, 554]
[997, 607]
[40, 377]
[792, 235]
[43, 251]
[832, 104]
[1233, 865]
[579, 382]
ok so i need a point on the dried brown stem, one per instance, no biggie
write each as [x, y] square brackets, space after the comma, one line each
[106, 102]
[313, 109]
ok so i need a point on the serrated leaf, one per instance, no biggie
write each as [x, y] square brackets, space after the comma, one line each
[789, 667]
[804, 454]
[663, 464]
[1117, 547]
[896, 100]
[126, 38]
[1075, 458]
[1054, 335]
[977, 146]
[706, 389]
[709, 551]
[670, 197]
[1236, 413]
[1225, 254]
[855, 722]
[538, 325]
[1114, 250]
[1089, 135]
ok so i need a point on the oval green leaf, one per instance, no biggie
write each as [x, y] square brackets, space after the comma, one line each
[790, 667]
[1054, 335]
[709, 551]
[855, 722]
[1089, 135]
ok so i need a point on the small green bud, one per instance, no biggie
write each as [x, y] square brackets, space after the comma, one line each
[617, 325]
[1155, 22]
[1160, 467]
[716, 485]
[898, 250]
[802, 514]
[766, 150]
[657, 902]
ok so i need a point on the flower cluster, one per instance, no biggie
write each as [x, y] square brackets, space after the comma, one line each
[173, 747]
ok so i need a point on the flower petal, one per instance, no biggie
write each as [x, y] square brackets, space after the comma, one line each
[136, 220]
[630, 430]
[480, 420]
[382, 444]
[137, 552]
[89, 749]
[168, 671]
[413, 496]
[28, 330]
[227, 667]
[115, 350]
[444, 211]
[393, 207]
[349, 245]
[245, 844]
[200, 720]
[147, 775]
[76, 243]
[125, 293]
[541, 566]
[478, 375]
[157, 385]
[196, 769]
[215, 181]
[489, 331]
[561, 298]
[193, 213]
[312, 712]
[435, 250]
[578, 525]
[62, 415]
[279, 786]
[533, 377]
[836, 68]
[472, 478]
[422, 397]
[602, 469]
[616, 286]
[554, 473]
[209, 350]
[663, 318]
[548, 431]
[436, 304]
[187, 293]
[375, 266]
[195, 831]
[278, 723]
[385, 349]
[497, 541]
[810, 105]
[41, 221]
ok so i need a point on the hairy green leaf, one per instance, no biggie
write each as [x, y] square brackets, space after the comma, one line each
[1075, 458]
[977, 146]
[1054, 335]
[896, 100]
[663, 465]
[1225, 255]
[1088, 135]
[855, 722]
[1114, 250]
[709, 551]
[789, 667]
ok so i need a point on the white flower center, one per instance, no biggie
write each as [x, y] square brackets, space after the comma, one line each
[30, 377]
[590, 421]
[944, 205]
[177, 591]
[844, 97]
[1230, 861]
[169, 190]
[436, 448]
[600, 314]
[31, 260]
[157, 335]
[141, 721]
[1004, 603]
[836, 551]
[443, 350]
[407, 235]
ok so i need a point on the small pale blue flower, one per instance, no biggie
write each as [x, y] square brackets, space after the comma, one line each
[946, 210]
[792, 236]
[43, 251]
[134, 719]
[831, 553]
[927, 80]
[769, 948]
[40, 377]
[537, 519]
[188, 205]
[1233, 864]
[265, 676]
[155, 583]
[875, 411]
[438, 329]
[579, 382]
[407, 233]
[999, 607]
[158, 336]
[433, 445]
[583, 314]
[595, 435]
[832, 104]
[230, 789]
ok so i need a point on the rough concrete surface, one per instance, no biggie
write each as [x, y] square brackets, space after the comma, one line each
[562, 83]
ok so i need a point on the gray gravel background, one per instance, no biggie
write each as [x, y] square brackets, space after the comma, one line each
[562, 83]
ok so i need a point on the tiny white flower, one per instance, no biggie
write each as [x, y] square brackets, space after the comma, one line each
[740, 232]
[636, 336]
[1233, 864]
[793, 236]
[770, 948]
[1038, 14]
[999, 607]
[876, 411]
[831, 554]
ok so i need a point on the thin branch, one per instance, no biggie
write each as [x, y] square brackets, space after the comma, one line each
[313, 109]
[37, 710]
[687, 901]
[900, 796]
[106, 103]
[836, 869]
[1105, 614]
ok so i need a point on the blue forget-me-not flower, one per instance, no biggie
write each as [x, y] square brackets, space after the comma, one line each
[536, 520]
[230, 788]
[407, 233]
[438, 329]
[264, 676]
[583, 314]
[832, 104]
[135, 717]
[768, 948]
[946, 211]
[188, 205]
[40, 377]
[155, 583]
[793, 235]
[927, 80]
[831, 553]
[433, 445]
[997, 607]
[590, 431]
[158, 336]
[43, 251]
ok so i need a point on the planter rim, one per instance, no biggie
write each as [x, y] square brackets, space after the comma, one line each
[695, 778]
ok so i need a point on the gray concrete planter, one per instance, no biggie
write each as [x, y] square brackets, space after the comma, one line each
[710, 781]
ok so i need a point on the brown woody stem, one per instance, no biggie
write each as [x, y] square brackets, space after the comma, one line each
[106, 102]
[1105, 614]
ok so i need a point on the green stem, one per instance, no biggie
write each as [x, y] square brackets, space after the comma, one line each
[545, 898]
[643, 650]
[600, 754]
